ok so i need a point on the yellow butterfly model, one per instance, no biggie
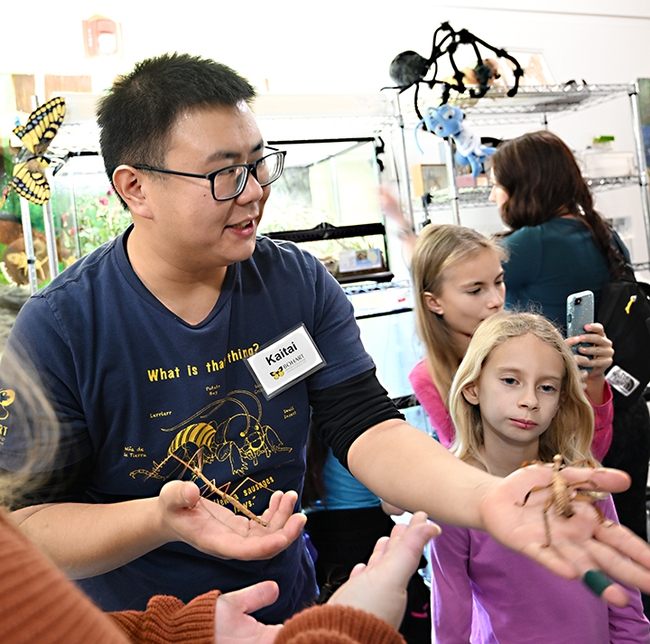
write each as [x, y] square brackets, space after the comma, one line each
[36, 135]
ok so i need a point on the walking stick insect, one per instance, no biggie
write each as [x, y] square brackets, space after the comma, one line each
[563, 494]
[196, 471]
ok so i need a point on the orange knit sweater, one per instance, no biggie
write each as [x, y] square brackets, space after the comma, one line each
[337, 625]
[38, 604]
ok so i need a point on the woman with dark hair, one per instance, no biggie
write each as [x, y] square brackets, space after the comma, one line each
[559, 244]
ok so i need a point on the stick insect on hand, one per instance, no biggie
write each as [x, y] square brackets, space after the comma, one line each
[214, 529]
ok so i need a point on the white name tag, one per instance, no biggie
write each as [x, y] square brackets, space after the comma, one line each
[286, 361]
[624, 382]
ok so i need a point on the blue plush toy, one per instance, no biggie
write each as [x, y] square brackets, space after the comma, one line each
[447, 120]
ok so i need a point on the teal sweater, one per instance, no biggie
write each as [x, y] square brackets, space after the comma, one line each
[549, 262]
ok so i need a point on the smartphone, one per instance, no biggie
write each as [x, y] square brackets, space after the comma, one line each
[579, 311]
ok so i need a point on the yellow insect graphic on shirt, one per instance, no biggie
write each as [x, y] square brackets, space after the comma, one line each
[238, 437]
[7, 396]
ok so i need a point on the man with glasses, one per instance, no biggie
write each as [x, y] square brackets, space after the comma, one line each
[144, 346]
[189, 347]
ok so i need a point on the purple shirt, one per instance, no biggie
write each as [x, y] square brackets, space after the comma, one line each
[482, 590]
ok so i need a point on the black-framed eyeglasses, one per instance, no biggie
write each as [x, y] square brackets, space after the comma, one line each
[229, 182]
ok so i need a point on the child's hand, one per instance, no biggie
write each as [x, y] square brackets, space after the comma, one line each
[234, 623]
[601, 353]
[380, 587]
[393, 211]
[601, 350]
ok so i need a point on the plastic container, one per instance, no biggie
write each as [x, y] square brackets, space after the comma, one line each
[601, 161]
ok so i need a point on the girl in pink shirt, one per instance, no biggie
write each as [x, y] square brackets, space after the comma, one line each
[458, 283]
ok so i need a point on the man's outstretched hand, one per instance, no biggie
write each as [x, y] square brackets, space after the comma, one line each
[581, 543]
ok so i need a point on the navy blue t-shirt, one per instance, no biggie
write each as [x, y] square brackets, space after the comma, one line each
[133, 383]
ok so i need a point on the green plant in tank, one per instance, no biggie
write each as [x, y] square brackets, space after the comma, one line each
[96, 219]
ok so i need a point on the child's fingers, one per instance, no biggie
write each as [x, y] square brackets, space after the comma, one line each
[596, 340]
[359, 568]
[596, 328]
[590, 356]
[599, 357]
[414, 535]
[379, 550]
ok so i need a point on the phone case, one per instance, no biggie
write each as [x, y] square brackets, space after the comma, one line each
[579, 311]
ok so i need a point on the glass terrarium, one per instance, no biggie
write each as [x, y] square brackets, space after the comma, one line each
[86, 210]
[331, 184]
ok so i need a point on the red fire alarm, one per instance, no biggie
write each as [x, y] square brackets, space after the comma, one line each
[101, 36]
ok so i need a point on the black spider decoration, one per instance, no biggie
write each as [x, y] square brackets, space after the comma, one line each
[409, 68]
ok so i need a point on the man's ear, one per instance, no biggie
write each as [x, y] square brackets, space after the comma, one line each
[470, 392]
[432, 303]
[127, 182]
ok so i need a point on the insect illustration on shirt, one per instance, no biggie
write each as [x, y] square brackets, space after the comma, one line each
[563, 494]
[211, 485]
[237, 436]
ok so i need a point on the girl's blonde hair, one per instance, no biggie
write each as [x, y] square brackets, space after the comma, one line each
[438, 248]
[571, 430]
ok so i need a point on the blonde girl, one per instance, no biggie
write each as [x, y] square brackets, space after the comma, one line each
[458, 281]
[517, 396]
[442, 249]
[570, 430]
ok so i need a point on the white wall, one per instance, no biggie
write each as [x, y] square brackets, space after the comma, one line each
[343, 46]
[335, 46]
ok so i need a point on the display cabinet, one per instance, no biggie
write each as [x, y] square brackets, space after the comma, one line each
[340, 149]
[539, 104]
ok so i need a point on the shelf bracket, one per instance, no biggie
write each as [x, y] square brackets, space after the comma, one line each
[640, 159]
[451, 179]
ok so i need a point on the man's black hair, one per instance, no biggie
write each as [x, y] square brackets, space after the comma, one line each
[136, 116]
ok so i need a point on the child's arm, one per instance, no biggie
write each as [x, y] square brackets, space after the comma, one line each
[603, 424]
[597, 388]
[451, 593]
[379, 587]
[429, 397]
[393, 211]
